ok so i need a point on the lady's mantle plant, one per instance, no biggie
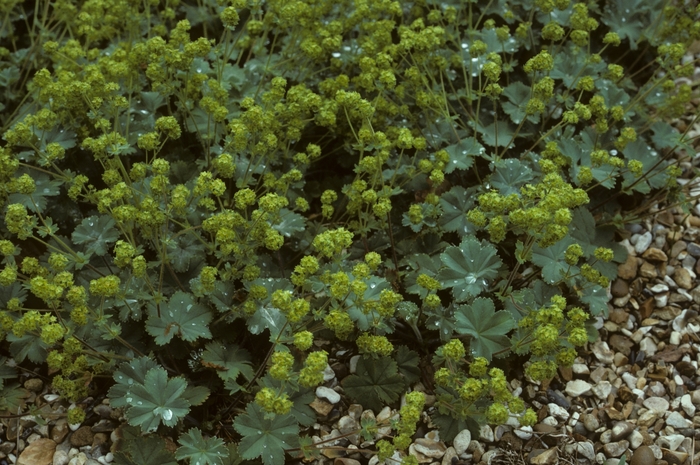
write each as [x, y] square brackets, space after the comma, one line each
[202, 202]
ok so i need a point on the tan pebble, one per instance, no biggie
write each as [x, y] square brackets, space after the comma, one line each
[643, 456]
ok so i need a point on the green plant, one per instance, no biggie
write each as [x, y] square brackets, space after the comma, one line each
[211, 191]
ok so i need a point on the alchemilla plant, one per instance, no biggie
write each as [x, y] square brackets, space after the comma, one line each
[205, 201]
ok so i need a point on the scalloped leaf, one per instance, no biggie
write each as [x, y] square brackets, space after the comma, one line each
[129, 374]
[181, 316]
[455, 204]
[375, 382]
[229, 361]
[265, 437]
[468, 268]
[487, 327]
[157, 399]
[200, 451]
[97, 232]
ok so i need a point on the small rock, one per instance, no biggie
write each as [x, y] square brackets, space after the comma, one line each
[636, 439]
[602, 390]
[656, 404]
[676, 420]
[621, 343]
[648, 346]
[615, 449]
[619, 288]
[60, 430]
[486, 434]
[447, 458]
[82, 437]
[430, 448]
[34, 384]
[621, 430]
[682, 277]
[461, 441]
[557, 411]
[643, 243]
[643, 456]
[321, 407]
[687, 405]
[628, 270]
[678, 247]
[584, 449]
[345, 461]
[60, 457]
[647, 270]
[577, 388]
[694, 249]
[546, 457]
[672, 441]
[590, 422]
[581, 369]
[655, 255]
[327, 393]
[524, 432]
[674, 457]
[39, 452]
[602, 352]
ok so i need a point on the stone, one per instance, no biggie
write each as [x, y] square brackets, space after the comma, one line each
[39, 452]
[602, 390]
[486, 434]
[430, 448]
[678, 247]
[643, 243]
[687, 405]
[557, 411]
[628, 270]
[643, 456]
[83, 436]
[672, 441]
[327, 393]
[682, 277]
[60, 457]
[621, 430]
[693, 249]
[636, 439]
[524, 432]
[602, 352]
[321, 407]
[581, 449]
[655, 255]
[615, 449]
[647, 418]
[676, 420]
[590, 422]
[674, 457]
[619, 288]
[546, 457]
[648, 346]
[656, 404]
[60, 430]
[345, 461]
[621, 343]
[447, 458]
[577, 388]
[34, 384]
[461, 441]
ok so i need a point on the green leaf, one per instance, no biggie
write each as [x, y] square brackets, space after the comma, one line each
[468, 268]
[510, 175]
[550, 260]
[450, 427]
[455, 204]
[6, 371]
[97, 233]
[145, 451]
[28, 346]
[462, 154]
[44, 187]
[157, 399]
[518, 95]
[375, 285]
[596, 297]
[497, 134]
[487, 327]
[441, 320]
[375, 383]
[407, 363]
[290, 223]
[196, 395]
[181, 316]
[265, 437]
[129, 374]
[13, 398]
[184, 250]
[200, 451]
[229, 360]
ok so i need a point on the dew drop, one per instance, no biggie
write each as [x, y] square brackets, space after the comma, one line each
[168, 414]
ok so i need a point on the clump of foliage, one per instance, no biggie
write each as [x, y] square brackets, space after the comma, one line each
[200, 198]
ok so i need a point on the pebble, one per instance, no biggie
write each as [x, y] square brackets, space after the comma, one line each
[655, 255]
[693, 249]
[557, 411]
[643, 242]
[461, 441]
[616, 449]
[636, 439]
[687, 405]
[621, 430]
[327, 393]
[643, 456]
[672, 441]
[577, 388]
[676, 420]
[39, 452]
[486, 434]
[683, 278]
[619, 288]
[602, 352]
[656, 404]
